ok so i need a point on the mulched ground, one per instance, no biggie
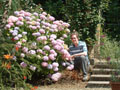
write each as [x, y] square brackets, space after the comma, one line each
[70, 80]
[68, 77]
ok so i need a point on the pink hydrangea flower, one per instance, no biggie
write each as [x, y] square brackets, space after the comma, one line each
[28, 18]
[11, 24]
[12, 19]
[16, 13]
[22, 55]
[46, 47]
[37, 24]
[35, 13]
[53, 26]
[25, 49]
[42, 16]
[55, 54]
[52, 30]
[52, 51]
[55, 64]
[27, 14]
[44, 64]
[23, 40]
[53, 36]
[19, 35]
[60, 41]
[42, 31]
[49, 66]
[44, 13]
[52, 57]
[56, 69]
[63, 64]
[23, 64]
[39, 50]
[45, 58]
[20, 18]
[56, 76]
[16, 38]
[51, 18]
[41, 38]
[57, 47]
[8, 26]
[54, 42]
[24, 33]
[32, 52]
[64, 36]
[19, 23]
[66, 24]
[33, 27]
[33, 68]
[70, 67]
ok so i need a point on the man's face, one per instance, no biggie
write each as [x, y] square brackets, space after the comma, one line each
[74, 39]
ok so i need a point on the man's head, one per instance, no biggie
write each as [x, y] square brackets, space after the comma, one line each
[74, 37]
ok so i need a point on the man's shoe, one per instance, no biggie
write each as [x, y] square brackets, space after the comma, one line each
[86, 78]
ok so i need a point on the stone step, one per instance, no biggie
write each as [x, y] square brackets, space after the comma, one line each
[96, 84]
[102, 71]
[102, 66]
[100, 77]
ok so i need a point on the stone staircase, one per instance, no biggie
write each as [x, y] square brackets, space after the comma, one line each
[101, 74]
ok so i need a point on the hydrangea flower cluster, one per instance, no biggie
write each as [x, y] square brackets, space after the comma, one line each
[40, 39]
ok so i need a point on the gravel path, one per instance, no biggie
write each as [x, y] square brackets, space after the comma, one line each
[67, 86]
[71, 88]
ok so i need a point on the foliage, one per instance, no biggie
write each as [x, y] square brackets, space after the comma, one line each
[112, 21]
[12, 74]
[84, 15]
[110, 50]
[115, 76]
[53, 7]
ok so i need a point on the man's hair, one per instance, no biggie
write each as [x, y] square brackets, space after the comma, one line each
[74, 33]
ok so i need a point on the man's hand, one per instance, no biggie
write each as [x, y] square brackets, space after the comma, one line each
[72, 57]
[79, 54]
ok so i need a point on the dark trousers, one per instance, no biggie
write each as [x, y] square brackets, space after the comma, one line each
[81, 63]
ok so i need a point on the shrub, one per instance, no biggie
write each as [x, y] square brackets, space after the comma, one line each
[109, 49]
[12, 74]
[39, 41]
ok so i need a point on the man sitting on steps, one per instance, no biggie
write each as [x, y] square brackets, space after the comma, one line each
[78, 51]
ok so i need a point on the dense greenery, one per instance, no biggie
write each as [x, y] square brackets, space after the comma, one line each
[83, 15]
[112, 20]
[12, 74]
[110, 49]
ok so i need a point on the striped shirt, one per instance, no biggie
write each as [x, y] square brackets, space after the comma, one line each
[80, 48]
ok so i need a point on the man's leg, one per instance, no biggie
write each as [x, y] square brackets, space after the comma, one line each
[84, 67]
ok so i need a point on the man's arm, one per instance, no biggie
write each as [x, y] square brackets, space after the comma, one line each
[84, 53]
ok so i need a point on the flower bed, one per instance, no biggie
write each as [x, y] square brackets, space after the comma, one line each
[38, 45]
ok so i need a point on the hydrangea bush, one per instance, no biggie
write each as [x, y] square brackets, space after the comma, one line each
[39, 41]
